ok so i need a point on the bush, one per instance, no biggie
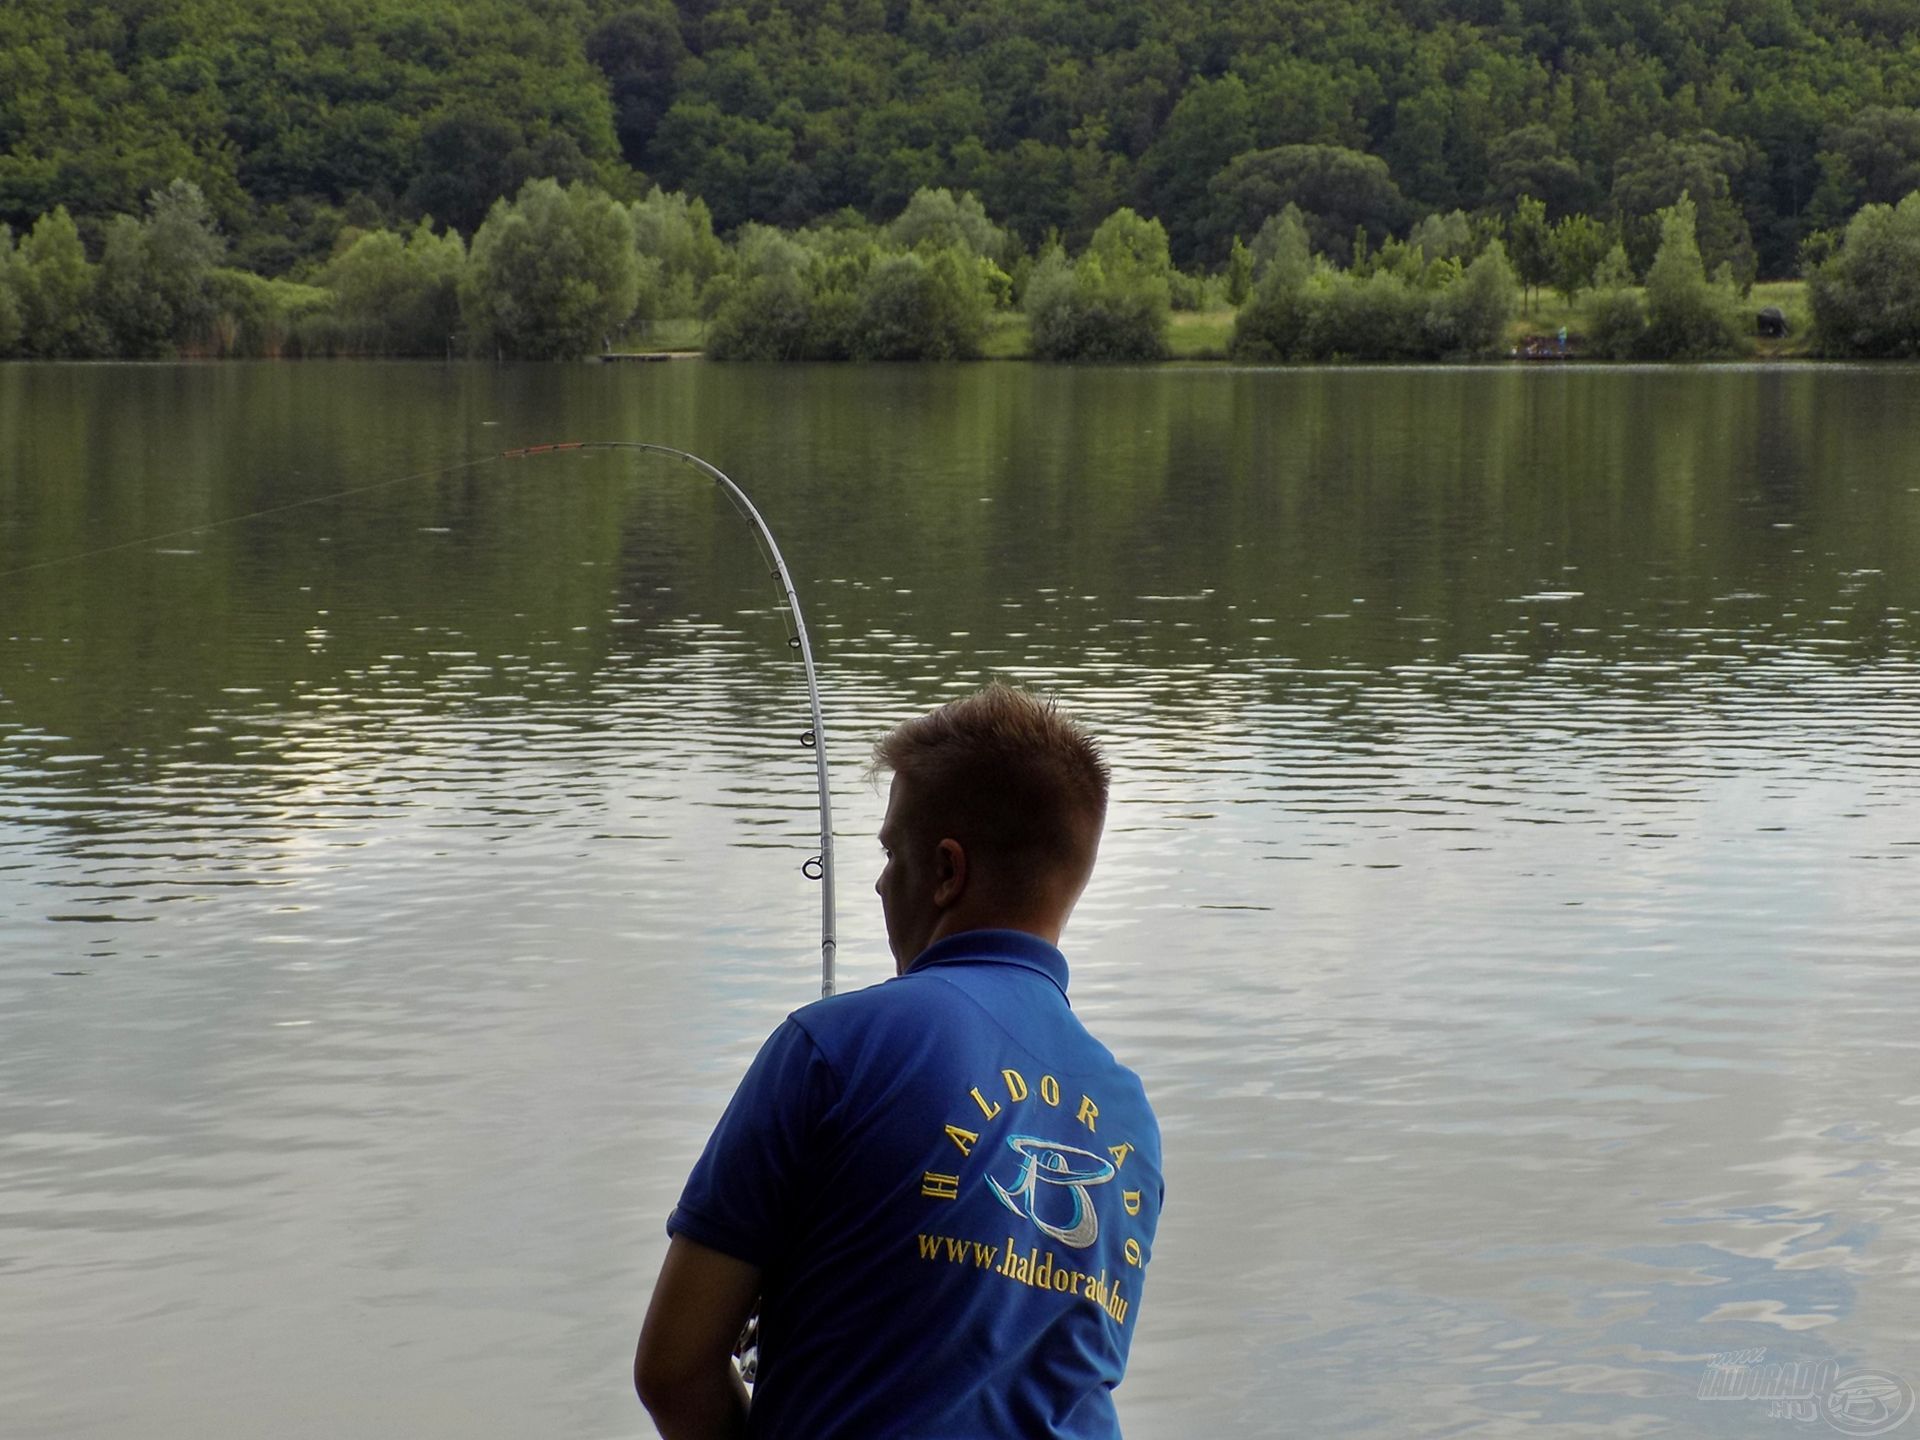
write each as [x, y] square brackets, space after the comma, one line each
[54, 286]
[1866, 296]
[12, 327]
[154, 286]
[1404, 312]
[552, 274]
[396, 295]
[1688, 316]
[264, 319]
[917, 308]
[768, 317]
[1470, 312]
[1616, 325]
[679, 253]
[1110, 305]
[944, 221]
[841, 296]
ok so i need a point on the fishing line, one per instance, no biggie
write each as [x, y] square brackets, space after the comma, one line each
[818, 867]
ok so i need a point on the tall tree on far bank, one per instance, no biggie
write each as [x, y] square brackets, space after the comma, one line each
[1530, 244]
[156, 274]
[1689, 317]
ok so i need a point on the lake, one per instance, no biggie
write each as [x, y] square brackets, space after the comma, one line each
[1508, 895]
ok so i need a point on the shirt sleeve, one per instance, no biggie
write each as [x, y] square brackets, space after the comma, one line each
[746, 1191]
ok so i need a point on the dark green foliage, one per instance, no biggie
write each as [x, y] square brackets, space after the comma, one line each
[1210, 126]
[552, 275]
[1877, 151]
[1657, 172]
[470, 158]
[1399, 311]
[1109, 305]
[638, 49]
[298, 116]
[1532, 160]
[1338, 191]
[1866, 297]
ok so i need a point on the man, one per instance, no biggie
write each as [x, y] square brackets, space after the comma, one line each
[941, 1190]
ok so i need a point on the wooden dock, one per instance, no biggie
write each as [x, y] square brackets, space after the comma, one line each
[610, 356]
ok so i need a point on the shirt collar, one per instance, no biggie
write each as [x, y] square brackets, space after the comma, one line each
[995, 947]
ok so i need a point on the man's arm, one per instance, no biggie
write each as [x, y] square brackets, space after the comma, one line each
[684, 1367]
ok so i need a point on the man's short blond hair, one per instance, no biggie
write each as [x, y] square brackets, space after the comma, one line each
[1019, 784]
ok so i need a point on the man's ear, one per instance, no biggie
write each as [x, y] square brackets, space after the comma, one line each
[949, 874]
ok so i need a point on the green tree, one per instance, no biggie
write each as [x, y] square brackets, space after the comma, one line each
[1879, 148]
[1336, 190]
[922, 306]
[1469, 315]
[1282, 239]
[680, 254]
[943, 220]
[1212, 123]
[398, 295]
[1531, 160]
[639, 49]
[1688, 316]
[1444, 237]
[1579, 245]
[1866, 297]
[55, 284]
[1531, 242]
[1655, 173]
[1617, 315]
[154, 291]
[12, 327]
[1239, 273]
[551, 274]
[1110, 304]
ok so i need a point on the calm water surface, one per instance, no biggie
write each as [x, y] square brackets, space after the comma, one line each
[1508, 896]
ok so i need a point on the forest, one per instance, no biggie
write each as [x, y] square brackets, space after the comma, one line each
[288, 136]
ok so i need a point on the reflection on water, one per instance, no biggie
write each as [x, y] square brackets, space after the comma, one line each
[1506, 895]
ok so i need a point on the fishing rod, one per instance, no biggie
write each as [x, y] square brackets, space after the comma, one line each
[818, 867]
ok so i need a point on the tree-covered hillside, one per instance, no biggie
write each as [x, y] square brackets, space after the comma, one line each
[297, 117]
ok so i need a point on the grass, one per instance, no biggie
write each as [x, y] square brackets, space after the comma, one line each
[1191, 335]
[658, 335]
[1549, 311]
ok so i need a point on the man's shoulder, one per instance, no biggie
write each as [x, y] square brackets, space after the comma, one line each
[899, 1002]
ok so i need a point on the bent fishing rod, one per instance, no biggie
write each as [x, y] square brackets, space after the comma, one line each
[818, 867]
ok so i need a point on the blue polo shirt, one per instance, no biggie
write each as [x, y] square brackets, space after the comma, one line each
[951, 1189]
